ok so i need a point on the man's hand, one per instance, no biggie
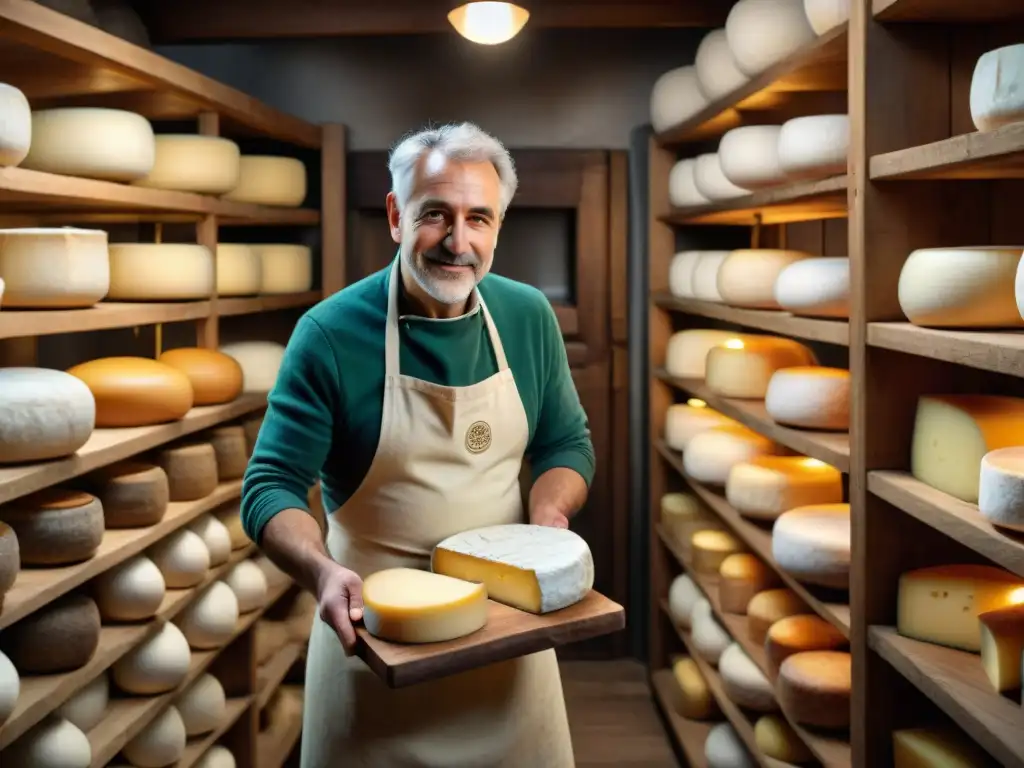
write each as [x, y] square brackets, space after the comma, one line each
[556, 495]
[340, 597]
[548, 516]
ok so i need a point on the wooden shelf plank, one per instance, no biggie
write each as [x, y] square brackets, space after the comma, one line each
[820, 66]
[830, 331]
[689, 735]
[999, 351]
[830, 447]
[16, 323]
[802, 201]
[273, 672]
[995, 154]
[955, 518]
[955, 681]
[266, 303]
[197, 747]
[107, 446]
[276, 743]
[979, 11]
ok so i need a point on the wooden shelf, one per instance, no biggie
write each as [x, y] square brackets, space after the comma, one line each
[998, 351]
[995, 154]
[270, 676]
[16, 323]
[689, 735]
[830, 447]
[277, 742]
[956, 682]
[821, 66]
[802, 201]
[955, 518]
[947, 11]
[197, 747]
[266, 303]
[813, 329]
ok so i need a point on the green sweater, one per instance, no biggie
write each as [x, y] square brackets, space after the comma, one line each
[323, 415]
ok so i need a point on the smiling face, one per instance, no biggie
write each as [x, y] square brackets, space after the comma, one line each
[447, 231]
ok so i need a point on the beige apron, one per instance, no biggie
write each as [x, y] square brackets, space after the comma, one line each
[448, 461]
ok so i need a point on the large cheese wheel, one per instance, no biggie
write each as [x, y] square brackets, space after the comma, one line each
[680, 274]
[997, 88]
[776, 738]
[687, 350]
[797, 634]
[815, 146]
[131, 591]
[161, 743]
[202, 706]
[724, 748]
[249, 585]
[717, 73]
[230, 447]
[285, 267]
[62, 636]
[711, 182]
[53, 743]
[182, 558]
[86, 708]
[750, 156]
[55, 526]
[685, 420]
[826, 15]
[810, 397]
[10, 560]
[10, 688]
[818, 287]
[767, 486]
[1000, 488]
[210, 620]
[54, 267]
[215, 536]
[190, 163]
[682, 191]
[814, 688]
[695, 701]
[743, 367]
[710, 547]
[744, 683]
[156, 665]
[93, 142]
[711, 454]
[709, 638]
[191, 469]
[747, 277]
[740, 577]
[765, 608]
[215, 377]
[44, 414]
[683, 595]
[812, 544]
[764, 32]
[239, 270]
[268, 180]
[134, 494]
[260, 361]
[15, 128]
[135, 391]
[160, 272]
[705, 275]
[675, 98]
[961, 287]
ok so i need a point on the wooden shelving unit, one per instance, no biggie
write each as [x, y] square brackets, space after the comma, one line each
[918, 175]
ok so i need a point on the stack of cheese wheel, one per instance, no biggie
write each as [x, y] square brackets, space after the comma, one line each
[1000, 488]
[683, 514]
[239, 270]
[206, 165]
[743, 366]
[286, 267]
[260, 361]
[682, 190]
[705, 275]
[810, 397]
[44, 414]
[695, 700]
[680, 273]
[135, 391]
[812, 544]
[814, 147]
[160, 272]
[749, 156]
[711, 454]
[767, 486]
[747, 277]
[997, 88]
[270, 180]
[717, 73]
[54, 267]
[766, 608]
[683, 595]
[675, 98]
[761, 33]
[687, 351]
[230, 448]
[16, 131]
[191, 467]
[683, 421]
[711, 181]
[815, 287]
[134, 494]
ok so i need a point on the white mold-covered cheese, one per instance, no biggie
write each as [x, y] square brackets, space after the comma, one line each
[260, 361]
[86, 708]
[161, 743]
[810, 397]
[202, 706]
[812, 544]
[705, 275]
[683, 595]
[744, 683]
[182, 558]
[1001, 487]
[711, 454]
[815, 146]
[709, 637]
[160, 272]
[55, 526]
[53, 743]
[717, 73]
[682, 190]
[685, 420]
[286, 267]
[826, 15]
[675, 98]
[210, 621]
[131, 591]
[249, 585]
[766, 486]
[269, 180]
[724, 748]
[687, 351]
[747, 276]
[816, 287]
[710, 180]
[44, 414]
[206, 165]
[239, 270]
[53, 267]
[997, 88]
[215, 536]
[680, 273]
[10, 687]
[157, 665]
[15, 126]
[749, 156]
[764, 32]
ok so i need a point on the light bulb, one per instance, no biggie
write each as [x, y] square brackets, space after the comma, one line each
[694, 402]
[488, 23]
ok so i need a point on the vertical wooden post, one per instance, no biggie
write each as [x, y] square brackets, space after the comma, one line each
[333, 209]
[208, 328]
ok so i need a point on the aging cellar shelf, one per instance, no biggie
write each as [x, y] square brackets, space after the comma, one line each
[276, 743]
[997, 154]
[802, 201]
[270, 676]
[689, 735]
[947, 11]
[998, 351]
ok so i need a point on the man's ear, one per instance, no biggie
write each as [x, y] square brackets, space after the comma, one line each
[394, 217]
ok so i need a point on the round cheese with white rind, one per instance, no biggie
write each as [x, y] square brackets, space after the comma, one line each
[249, 585]
[764, 32]
[711, 182]
[997, 88]
[826, 15]
[675, 98]
[682, 190]
[744, 682]
[161, 743]
[86, 708]
[815, 146]
[747, 276]
[207, 165]
[10, 560]
[717, 73]
[711, 454]
[812, 544]
[10, 688]
[44, 414]
[1001, 487]
[217, 756]
[53, 743]
[743, 367]
[705, 275]
[749, 156]
[260, 361]
[55, 526]
[131, 591]
[685, 420]
[683, 594]
[215, 536]
[160, 272]
[239, 270]
[961, 287]
[210, 620]
[766, 486]
[15, 126]
[269, 180]
[809, 397]
[723, 748]
[815, 287]
[286, 267]
[709, 638]
[182, 558]
[680, 273]
[156, 665]
[202, 706]
[54, 267]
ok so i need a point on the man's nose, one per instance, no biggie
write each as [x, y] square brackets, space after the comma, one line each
[457, 241]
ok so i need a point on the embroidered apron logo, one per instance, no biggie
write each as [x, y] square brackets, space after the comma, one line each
[478, 437]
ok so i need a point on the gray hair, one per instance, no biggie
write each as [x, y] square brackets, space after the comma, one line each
[458, 141]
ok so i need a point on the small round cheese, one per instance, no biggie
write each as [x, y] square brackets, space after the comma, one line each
[210, 620]
[130, 591]
[239, 270]
[705, 275]
[826, 15]
[249, 585]
[685, 420]
[776, 738]
[997, 88]
[814, 688]
[695, 700]
[217, 756]
[962, 287]
[15, 128]
[55, 526]
[44, 414]
[711, 181]
[675, 98]
[682, 191]
[268, 180]
[744, 683]
[160, 272]
[1000, 488]
[723, 748]
[231, 450]
[796, 634]
[687, 351]
[765, 608]
[10, 559]
[231, 515]
[53, 743]
[160, 743]
[191, 469]
[10, 688]
[135, 391]
[711, 454]
[60, 637]
[764, 32]
[92, 142]
[207, 165]
[134, 494]
[215, 536]
[743, 366]
[815, 146]
[747, 277]
[767, 486]
[215, 377]
[740, 577]
[717, 73]
[818, 287]
[809, 397]
[683, 594]
[86, 708]
[285, 267]
[680, 274]
[156, 665]
[182, 558]
[202, 706]
[709, 638]
[812, 544]
[260, 361]
[750, 156]
[710, 547]
[54, 267]
[684, 513]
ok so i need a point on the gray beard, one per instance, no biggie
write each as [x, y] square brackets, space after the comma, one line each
[439, 284]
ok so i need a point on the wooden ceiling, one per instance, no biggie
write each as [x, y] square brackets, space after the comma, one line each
[184, 21]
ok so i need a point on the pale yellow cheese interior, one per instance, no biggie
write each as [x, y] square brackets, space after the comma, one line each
[518, 587]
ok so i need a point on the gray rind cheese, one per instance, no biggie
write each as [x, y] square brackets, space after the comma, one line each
[56, 526]
[229, 445]
[191, 469]
[44, 414]
[60, 637]
[134, 494]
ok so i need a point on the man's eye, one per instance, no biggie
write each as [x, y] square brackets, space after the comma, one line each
[433, 215]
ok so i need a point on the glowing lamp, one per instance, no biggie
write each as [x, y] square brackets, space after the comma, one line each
[488, 23]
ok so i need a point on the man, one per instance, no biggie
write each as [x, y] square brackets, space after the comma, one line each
[414, 394]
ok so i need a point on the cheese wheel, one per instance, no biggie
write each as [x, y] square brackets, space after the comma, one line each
[130, 591]
[230, 448]
[10, 559]
[740, 577]
[53, 743]
[809, 397]
[54, 267]
[96, 143]
[687, 351]
[62, 636]
[744, 683]
[952, 434]
[815, 146]
[711, 454]
[10, 688]
[717, 73]
[406, 605]
[158, 664]
[182, 558]
[207, 165]
[749, 156]
[765, 608]
[961, 287]
[160, 272]
[724, 748]
[826, 15]
[191, 469]
[776, 739]
[260, 361]
[764, 32]
[680, 274]
[217, 756]
[1000, 488]
[239, 270]
[796, 634]
[160, 743]
[685, 420]
[747, 276]
[705, 275]
[135, 391]
[133, 494]
[682, 191]
[230, 514]
[997, 88]
[711, 181]
[215, 377]
[743, 366]
[683, 594]
[675, 98]
[210, 620]
[202, 706]
[268, 180]
[817, 287]
[767, 486]
[812, 544]
[86, 708]
[682, 514]
[285, 267]
[710, 547]
[249, 585]
[936, 747]
[55, 526]
[695, 700]
[215, 536]
[709, 638]
[814, 688]
[15, 128]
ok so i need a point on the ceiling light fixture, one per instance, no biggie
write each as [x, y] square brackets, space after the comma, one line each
[488, 23]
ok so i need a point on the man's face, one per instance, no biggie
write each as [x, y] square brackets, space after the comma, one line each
[449, 227]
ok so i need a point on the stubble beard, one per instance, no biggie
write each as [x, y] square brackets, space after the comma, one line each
[441, 285]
